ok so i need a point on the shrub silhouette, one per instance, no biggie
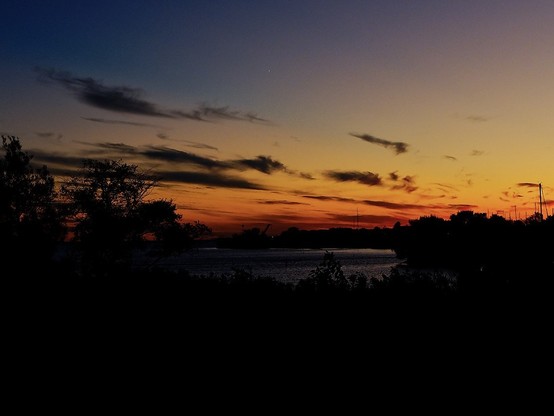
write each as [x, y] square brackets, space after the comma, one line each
[329, 277]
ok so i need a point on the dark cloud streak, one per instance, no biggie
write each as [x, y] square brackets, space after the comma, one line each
[167, 154]
[128, 100]
[281, 202]
[399, 147]
[209, 179]
[264, 164]
[126, 123]
[365, 178]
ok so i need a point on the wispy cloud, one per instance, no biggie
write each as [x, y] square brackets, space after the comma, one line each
[477, 119]
[215, 179]
[329, 198]
[196, 145]
[305, 175]
[528, 184]
[365, 219]
[49, 135]
[264, 164]
[399, 147]
[205, 112]
[392, 205]
[187, 143]
[382, 204]
[167, 154]
[56, 159]
[512, 194]
[61, 164]
[126, 123]
[366, 178]
[109, 148]
[445, 187]
[407, 183]
[463, 207]
[450, 158]
[129, 100]
[281, 202]
[477, 153]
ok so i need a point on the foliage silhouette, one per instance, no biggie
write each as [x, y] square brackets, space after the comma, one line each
[30, 220]
[472, 242]
[250, 238]
[499, 262]
[106, 201]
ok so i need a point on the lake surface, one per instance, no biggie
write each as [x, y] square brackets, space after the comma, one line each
[287, 265]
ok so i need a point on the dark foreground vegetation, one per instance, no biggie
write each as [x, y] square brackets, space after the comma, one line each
[504, 270]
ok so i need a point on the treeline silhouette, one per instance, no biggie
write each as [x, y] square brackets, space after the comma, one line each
[294, 237]
[100, 218]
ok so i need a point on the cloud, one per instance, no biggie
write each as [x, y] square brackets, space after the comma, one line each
[407, 183]
[267, 165]
[48, 135]
[56, 159]
[264, 164]
[127, 123]
[128, 100]
[366, 178]
[329, 198]
[399, 147]
[463, 207]
[365, 219]
[187, 143]
[477, 119]
[450, 158]
[528, 184]
[477, 153]
[205, 112]
[167, 154]
[108, 147]
[197, 145]
[445, 187]
[393, 176]
[381, 204]
[92, 92]
[392, 205]
[281, 202]
[305, 175]
[209, 179]
[64, 165]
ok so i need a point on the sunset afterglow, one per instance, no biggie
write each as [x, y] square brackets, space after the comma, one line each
[313, 114]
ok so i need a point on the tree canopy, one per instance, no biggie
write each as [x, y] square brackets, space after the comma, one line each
[30, 221]
[112, 217]
[104, 205]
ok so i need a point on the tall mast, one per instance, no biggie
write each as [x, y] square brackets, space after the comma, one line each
[540, 199]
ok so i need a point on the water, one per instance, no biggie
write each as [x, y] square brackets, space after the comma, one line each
[287, 265]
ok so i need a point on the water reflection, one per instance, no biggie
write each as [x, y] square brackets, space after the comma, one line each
[287, 265]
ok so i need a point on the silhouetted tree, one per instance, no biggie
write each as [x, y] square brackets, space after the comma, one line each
[107, 201]
[30, 224]
[250, 238]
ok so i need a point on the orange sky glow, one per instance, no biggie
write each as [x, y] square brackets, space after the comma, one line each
[313, 114]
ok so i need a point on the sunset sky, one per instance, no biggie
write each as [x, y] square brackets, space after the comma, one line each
[292, 113]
